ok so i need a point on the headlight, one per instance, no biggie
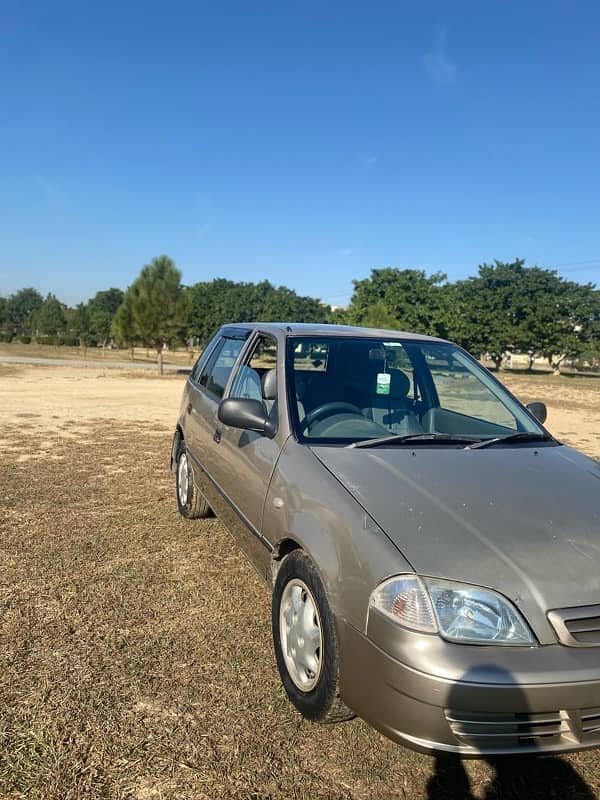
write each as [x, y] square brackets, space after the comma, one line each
[458, 611]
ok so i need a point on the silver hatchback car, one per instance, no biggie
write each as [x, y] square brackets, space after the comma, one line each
[433, 552]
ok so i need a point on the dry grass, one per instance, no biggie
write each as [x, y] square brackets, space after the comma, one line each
[136, 657]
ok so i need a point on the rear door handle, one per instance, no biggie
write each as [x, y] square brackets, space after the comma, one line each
[217, 435]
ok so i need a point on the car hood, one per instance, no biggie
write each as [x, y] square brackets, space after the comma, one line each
[522, 520]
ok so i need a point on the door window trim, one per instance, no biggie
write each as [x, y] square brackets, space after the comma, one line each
[246, 354]
[198, 367]
[208, 365]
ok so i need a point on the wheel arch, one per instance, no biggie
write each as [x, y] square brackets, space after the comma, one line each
[282, 549]
[178, 437]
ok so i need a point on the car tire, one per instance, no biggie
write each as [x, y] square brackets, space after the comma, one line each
[190, 501]
[305, 641]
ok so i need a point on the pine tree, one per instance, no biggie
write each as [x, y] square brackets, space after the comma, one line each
[159, 304]
[123, 326]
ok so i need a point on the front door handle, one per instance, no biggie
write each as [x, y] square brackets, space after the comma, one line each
[217, 436]
[189, 408]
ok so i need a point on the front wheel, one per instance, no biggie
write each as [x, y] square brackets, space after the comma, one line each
[190, 502]
[305, 641]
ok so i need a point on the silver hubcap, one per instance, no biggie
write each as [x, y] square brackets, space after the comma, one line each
[300, 635]
[183, 479]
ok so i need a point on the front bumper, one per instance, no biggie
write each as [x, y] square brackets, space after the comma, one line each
[435, 696]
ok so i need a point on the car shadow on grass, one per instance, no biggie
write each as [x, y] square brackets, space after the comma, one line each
[518, 777]
[515, 778]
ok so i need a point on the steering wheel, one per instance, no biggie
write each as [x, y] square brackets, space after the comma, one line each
[327, 409]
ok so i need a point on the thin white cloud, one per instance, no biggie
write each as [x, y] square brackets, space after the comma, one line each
[438, 64]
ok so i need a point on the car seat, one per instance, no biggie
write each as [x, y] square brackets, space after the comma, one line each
[269, 392]
[393, 410]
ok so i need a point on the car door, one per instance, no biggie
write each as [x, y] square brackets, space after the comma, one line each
[207, 386]
[241, 462]
[190, 418]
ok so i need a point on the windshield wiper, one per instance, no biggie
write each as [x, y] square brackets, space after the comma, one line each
[411, 438]
[524, 436]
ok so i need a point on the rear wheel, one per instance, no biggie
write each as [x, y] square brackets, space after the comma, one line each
[191, 503]
[305, 641]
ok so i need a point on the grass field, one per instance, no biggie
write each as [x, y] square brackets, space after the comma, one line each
[136, 657]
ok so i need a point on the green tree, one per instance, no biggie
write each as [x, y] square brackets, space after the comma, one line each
[79, 323]
[21, 308]
[555, 316]
[159, 305]
[486, 316]
[337, 316]
[415, 300]
[219, 302]
[101, 310]
[581, 321]
[123, 325]
[509, 306]
[379, 316]
[50, 319]
[207, 310]
[280, 304]
[3, 314]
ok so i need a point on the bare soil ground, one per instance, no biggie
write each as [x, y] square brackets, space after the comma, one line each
[136, 658]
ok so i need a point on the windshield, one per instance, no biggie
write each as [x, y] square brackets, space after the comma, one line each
[346, 389]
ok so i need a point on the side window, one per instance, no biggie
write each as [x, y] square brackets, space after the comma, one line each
[249, 379]
[461, 391]
[311, 356]
[216, 371]
[201, 361]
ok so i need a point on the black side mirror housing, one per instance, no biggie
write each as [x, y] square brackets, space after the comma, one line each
[539, 411]
[250, 415]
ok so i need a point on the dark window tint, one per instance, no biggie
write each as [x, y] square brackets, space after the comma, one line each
[199, 365]
[215, 373]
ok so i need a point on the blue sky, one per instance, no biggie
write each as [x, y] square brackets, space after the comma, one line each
[302, 142]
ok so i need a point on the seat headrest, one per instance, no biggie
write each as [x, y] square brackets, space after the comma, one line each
[399, 383]
[269, 384]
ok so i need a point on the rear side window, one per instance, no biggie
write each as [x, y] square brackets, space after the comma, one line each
[310, 355]
[201, 362]
[216, 371]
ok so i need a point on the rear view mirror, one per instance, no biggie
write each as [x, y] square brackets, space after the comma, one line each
[539, 411]
[250, 415]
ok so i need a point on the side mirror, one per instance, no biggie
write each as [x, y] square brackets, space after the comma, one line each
[539, 411]
[250, 415]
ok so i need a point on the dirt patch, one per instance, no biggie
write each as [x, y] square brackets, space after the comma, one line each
[60, 401]
[573, 406]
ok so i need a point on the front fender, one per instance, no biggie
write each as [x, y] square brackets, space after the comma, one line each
[307, 504]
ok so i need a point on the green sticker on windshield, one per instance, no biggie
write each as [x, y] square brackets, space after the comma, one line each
[383, 382]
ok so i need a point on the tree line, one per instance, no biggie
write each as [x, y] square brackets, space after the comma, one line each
[504, 307]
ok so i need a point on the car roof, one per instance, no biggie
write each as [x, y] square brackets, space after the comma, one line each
[323, 329]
